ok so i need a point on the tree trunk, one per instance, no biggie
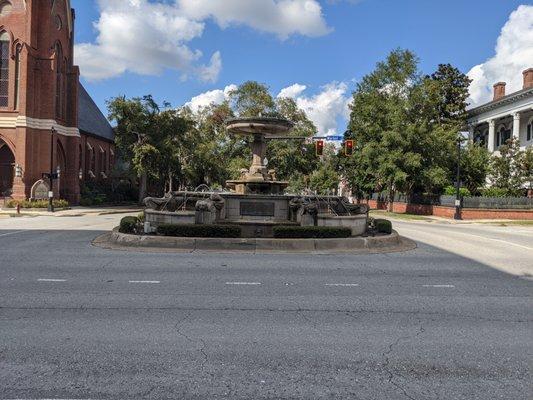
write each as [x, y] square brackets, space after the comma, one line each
[170, 186]
[390, 203]
[142, 187]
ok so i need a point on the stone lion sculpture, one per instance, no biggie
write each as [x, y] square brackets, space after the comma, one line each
[214, 203]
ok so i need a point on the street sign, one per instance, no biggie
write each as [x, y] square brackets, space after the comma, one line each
[334, 138]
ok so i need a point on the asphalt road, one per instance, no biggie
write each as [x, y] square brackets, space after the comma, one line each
[439, 322]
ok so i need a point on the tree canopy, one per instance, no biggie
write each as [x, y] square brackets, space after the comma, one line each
[405, 127]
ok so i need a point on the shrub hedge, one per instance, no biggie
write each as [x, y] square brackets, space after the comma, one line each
[128, 225]
[58, 203]
[191, 230]
[311, 232]
[383, 226]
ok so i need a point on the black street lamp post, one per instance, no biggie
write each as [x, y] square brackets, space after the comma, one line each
[457, 215]
[458, 201]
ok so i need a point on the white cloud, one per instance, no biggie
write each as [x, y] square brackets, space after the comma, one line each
[147, 37]
[513, 54]
[141, 37]
[209, 73]
[292, 91]
[280, 17]
[326, 109]
[208, 98]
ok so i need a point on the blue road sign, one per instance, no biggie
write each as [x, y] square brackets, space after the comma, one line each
[334, 138]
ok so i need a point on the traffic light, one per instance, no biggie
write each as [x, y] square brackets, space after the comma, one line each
[348, 147]
[319, 147]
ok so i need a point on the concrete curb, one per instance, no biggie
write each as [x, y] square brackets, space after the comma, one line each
[358, 245]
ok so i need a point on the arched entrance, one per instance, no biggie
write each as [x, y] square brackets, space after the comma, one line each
[62, 165]
[7, 169]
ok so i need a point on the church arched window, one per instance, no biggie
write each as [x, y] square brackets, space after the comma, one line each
[18, 52]
[4, 69]
[59, 79]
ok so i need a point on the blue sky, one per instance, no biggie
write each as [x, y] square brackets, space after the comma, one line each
[324, 49]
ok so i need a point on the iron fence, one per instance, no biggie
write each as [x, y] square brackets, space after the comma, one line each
[495, 203]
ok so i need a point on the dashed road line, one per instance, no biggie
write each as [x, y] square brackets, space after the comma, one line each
[244, 283]
[151, 282]
[343, 284]
[51, 280]
[439, 286]
[11, 233]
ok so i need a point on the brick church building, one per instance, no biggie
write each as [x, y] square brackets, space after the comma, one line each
[48, 121]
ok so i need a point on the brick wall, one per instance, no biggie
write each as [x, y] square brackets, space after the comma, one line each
[449, 212]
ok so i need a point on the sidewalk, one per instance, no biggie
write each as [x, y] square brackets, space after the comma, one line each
[73, 211]
[433, 219]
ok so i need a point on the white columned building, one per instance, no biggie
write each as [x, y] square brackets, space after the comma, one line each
[506, 116]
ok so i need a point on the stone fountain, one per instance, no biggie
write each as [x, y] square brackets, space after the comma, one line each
[256, 202]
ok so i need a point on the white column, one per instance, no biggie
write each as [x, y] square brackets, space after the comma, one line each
[516, 126]
[492, 135]
[471, 129]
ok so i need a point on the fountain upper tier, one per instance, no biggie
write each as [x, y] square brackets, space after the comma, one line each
[258, 179]
[264, 126]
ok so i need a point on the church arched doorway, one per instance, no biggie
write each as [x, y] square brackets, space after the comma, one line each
[62, 168]
[7, 169]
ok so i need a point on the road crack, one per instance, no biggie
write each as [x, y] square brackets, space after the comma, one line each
[386, 363]
[201, 348]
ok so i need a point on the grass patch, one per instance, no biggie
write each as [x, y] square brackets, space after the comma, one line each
[512, 223]
[407, 217]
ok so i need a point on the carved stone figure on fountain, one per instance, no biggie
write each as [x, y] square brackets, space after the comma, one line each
[207, 211]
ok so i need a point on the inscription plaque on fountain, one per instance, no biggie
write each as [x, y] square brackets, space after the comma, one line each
[257, 209]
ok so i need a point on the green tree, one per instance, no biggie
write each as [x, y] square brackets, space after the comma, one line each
[293, 158]
[135, 134]
[154, 140]
[214, 156]
[449, 88]
[325, 179]
[474, 167]
[526, 167]
[252, 99]
[175, 141]
[405, 126]
[506, 171]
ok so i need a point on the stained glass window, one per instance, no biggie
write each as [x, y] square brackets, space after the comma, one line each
[4, 69]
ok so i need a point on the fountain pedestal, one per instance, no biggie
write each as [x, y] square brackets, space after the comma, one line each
[258, 179]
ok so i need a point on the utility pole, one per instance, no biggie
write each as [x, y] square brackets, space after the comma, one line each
[457, 215]
[458, 201]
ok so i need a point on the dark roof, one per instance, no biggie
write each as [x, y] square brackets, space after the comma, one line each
[90, 119]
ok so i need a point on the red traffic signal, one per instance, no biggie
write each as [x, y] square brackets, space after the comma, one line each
[319, 147]
[348, 147]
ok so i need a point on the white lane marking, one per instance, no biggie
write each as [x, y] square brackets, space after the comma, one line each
[476, 236]
[342, 284]
[498, 240]
[244, 283]
[51, 280]
[153, 282]
[439, 286]
[11, 233]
